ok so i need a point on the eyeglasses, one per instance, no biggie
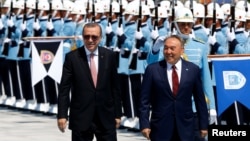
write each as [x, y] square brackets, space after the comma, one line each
[93, 37]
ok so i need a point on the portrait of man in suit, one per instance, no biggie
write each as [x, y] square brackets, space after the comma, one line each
[90, 90]
[166, 97]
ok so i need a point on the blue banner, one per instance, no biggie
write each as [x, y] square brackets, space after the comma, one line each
[232, 83]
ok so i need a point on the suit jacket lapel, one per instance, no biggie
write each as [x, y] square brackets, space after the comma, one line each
[164, 76]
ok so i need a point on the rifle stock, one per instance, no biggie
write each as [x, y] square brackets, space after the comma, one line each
[20, 52]
[232, 22]
[5, 50]
[133, 63]
[214, 19]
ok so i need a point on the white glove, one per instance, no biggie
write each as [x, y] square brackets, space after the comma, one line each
[7, 40]
[213, 116]
[119, 31]
[10, 22]
[1, 24]
[67, 45]
[212, 39]
[138, 34]
[20, 42]
[154, 34]
[230, 35]
[135, 50]
[50, 25]
[116, 49]
[23, 26]
[79, 37]
[108, 29]
[36, 25]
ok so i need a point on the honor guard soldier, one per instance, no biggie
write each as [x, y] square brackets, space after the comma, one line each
[79, 16]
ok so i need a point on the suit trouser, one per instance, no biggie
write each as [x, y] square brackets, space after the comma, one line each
[97, 129]
[197, 135]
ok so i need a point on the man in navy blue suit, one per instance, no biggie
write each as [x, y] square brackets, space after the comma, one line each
[163, 115]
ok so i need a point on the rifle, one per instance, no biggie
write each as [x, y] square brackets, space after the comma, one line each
[232, 24]
[119, 45]
[156, 17]
[109, 21]
[173, 15]
[36, 10]
[21, 46]
[246, 7]
[93, 11]
[191, 6]
[133, 63]
[49, 32]
[214, 18]
[50, 10]
[232, 12]
[6, 45]
[205, 8]
[0, 10]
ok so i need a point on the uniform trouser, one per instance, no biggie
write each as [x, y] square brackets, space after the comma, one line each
[15, 79]
[25, 75]
[4, 77]
[46, 91]
[131, 88]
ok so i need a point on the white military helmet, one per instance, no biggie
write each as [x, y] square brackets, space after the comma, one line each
[240, 15]
[199, 10]
[124, 3]
[165, 4]
[210, 6]
[178, 5]
[43, 5]
[162, 13]
[68, 5]
[226, 8]
[19, 4]
[184, 15]
[31, 4]
[115, 7]
[106, 5]
[132, 8]
[98, 7]
[7, 3]
[145, 10]
[187, 4]
[57, 5]
[151, 4]
[79, 10]
[219, 13]
[241, 5]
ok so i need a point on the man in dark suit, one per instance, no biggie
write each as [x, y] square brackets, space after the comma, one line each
[95, 108]
[163, 114]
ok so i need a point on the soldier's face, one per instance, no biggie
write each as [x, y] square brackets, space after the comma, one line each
[185, 27]
[247, 25]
